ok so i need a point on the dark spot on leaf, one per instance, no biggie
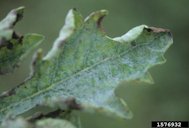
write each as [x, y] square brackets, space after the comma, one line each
[40, 115]
[170, 34]
[156, 30]
[15, 35]
[74, 9]
[21, 39]
[72, 104]
[133, 43]
[34, 62]
[9, 45]
[19, 16]
[148, 30]
[99, 22]
[7, 93]
[2, 42]
[16, 65]
[61, 43]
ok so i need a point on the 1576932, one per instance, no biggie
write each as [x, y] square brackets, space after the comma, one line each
[169, 124]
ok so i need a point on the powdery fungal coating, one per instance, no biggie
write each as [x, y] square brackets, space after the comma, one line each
[86, 65]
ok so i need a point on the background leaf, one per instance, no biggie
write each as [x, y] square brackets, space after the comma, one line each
[86, 65]
[15, 123]
[13, 46]
[43, 123]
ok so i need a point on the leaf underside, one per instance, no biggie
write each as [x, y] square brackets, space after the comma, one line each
[13, 46]
[86, 65]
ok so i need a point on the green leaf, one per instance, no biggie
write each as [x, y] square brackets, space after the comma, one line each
[14, 47]
[15, 123]
[86, 65]
[43, 123]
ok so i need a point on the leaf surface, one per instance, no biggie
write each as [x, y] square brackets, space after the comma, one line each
[86, 65]
[14, 47]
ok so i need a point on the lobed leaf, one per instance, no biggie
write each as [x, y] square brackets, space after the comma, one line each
[86, 65]
[14, 47]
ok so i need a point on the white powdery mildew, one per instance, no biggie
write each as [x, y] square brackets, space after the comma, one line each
[130, 35]
[65, 33]
[8, 21]
[91, 67]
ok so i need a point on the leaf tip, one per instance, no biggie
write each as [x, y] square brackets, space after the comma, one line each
[147, 78]
[131, 34]
[97, 17]
[128, 113]
[20, 9]
[73, 21]
[19, 13]
[37, 57]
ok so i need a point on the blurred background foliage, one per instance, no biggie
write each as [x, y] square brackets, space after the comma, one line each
[167, 99]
